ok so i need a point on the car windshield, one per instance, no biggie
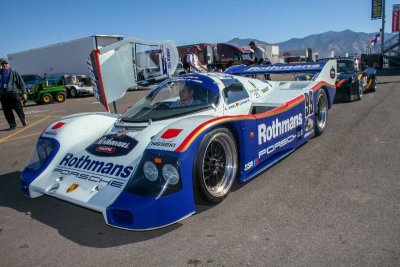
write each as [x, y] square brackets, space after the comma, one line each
[346, 66]
[247, 56]
[172, 98]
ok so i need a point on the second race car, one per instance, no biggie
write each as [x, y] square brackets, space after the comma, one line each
[351, 82]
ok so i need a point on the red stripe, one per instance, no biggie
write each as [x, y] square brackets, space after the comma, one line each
[274, 111]
[97, 61]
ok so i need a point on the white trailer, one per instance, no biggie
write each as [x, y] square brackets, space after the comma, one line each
[67, 58]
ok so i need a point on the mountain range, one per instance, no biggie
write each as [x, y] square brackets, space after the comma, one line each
[347, 41]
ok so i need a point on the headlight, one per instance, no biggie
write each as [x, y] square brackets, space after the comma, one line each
[44, 148]
[150, 171]
[170, 174]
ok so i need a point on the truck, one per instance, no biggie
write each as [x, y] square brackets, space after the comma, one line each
[227, 55]
[206, 55]
[218, 56]
[77, 85]
[56, 60]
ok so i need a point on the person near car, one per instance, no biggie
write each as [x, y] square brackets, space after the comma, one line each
[260, 57]
[193, 61]
[11, 82]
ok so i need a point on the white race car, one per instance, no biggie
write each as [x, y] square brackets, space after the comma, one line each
[191, 138]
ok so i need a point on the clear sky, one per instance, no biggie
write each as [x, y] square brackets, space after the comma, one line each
[30, 24]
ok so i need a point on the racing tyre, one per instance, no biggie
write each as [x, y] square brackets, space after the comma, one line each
[73, 92]
[360, 91]
[60, 97]
[46, 98]
[215, 166]
[321, 112]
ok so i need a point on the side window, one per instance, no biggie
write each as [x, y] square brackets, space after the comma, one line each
[234, 93]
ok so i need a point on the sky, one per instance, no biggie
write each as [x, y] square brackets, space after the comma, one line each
[28, 24]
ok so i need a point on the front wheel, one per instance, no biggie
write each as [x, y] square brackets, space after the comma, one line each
[360, 90]
[215, 166]
[321, 113]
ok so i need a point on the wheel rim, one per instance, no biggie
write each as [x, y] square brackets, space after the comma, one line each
[322, 111]
[219, 165]
[60, 98]
[73, 92]
[360, 91]
[46, 99]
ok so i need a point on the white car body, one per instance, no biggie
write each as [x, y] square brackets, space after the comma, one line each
[100, 167]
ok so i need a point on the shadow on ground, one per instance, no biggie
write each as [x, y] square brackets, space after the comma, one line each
[80, 225]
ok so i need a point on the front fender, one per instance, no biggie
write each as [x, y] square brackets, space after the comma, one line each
[68, 134]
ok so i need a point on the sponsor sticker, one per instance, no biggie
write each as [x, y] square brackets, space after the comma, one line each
[112, 145]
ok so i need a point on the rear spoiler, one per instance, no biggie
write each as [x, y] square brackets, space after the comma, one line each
[126, 64]
[275, 68]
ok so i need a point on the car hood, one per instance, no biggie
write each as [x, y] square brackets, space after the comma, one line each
[93, 175]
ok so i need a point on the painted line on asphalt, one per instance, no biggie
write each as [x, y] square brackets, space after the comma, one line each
[8, 137]
[20, 137]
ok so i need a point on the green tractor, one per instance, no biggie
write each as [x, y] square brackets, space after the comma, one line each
[45, 91]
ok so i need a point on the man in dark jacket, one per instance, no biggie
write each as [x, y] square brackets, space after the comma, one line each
[10, 83]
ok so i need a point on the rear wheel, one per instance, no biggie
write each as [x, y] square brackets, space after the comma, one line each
[73, 92]
[215, 166]
[46, 98]
[60, 97]
[321, 112]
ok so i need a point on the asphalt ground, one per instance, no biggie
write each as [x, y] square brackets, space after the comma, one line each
[335, 201]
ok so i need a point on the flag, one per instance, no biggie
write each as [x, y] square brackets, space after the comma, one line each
[374, 39]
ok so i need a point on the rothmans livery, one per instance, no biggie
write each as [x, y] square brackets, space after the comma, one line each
[186, 142]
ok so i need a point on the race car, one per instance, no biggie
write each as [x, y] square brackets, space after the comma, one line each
[352, 83]
[148, 167]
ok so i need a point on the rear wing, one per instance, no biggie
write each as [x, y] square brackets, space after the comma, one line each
[275, 68]
[327, 71]
[126, 64]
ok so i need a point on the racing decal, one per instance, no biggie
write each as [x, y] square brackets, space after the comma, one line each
[280, 144]
[89, 164]
[237, 104]
[95, 76]
[281, 68]
[165, 59]
[134, 62]
[332, 73]
[309, 111]
[163, 144]
[58, 125]
[309, 103]
[171, 133]
[278, 128]
[72, 187]
[113, 145]
[89, 169]
[287, 106]
[251, 164]
[53, 130]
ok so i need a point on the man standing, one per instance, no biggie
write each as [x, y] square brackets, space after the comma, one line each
[194, 62]
[11, 82]
[260, 57]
